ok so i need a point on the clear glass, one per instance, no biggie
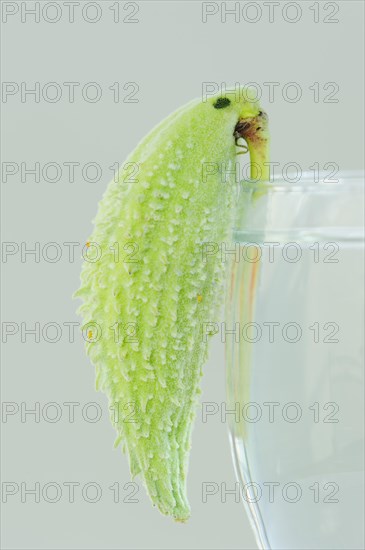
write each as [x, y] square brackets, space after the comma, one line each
[295, 361]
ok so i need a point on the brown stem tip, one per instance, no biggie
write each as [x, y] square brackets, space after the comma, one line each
[254, 130]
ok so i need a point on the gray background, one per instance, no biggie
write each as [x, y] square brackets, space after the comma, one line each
[169, 53]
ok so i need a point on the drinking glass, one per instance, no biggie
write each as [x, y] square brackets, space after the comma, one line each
[295, 360]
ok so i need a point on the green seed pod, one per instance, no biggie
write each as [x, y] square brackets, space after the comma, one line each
[181, 198]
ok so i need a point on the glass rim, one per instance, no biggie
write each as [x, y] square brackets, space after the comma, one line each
[343, 181]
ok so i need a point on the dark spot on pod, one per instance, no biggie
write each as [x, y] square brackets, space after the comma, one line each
[221, 103]
[259, 128]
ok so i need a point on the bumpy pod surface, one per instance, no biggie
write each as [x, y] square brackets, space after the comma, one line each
[152, 299]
